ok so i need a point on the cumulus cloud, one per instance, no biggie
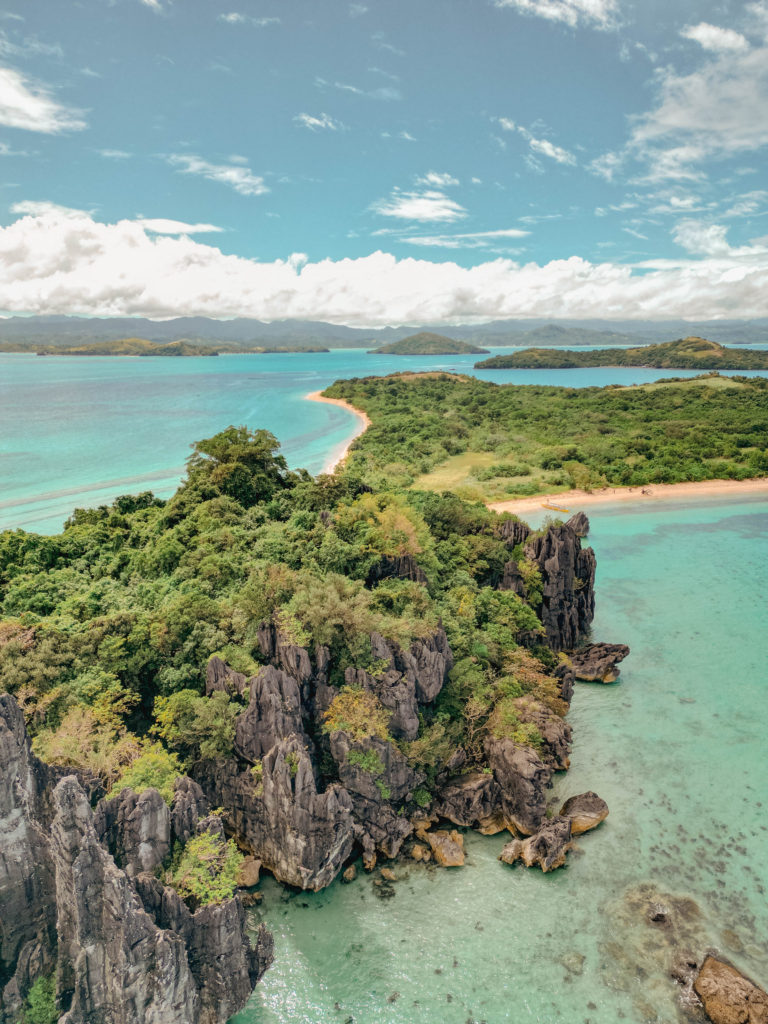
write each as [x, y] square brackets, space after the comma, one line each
[426, 205]
[721, 40]
[29, 105]
[66, 262]
[601, 14]
[540, 147]
[238, 177]
[323, 121]
[702, 239]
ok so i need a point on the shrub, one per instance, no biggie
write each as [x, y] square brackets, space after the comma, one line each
[369, 761]
[206, 870]
[82, 741]
[421, 797]
[199, 727]
[155, 768]
[358, 713]
[384, 789]
[40, 1004]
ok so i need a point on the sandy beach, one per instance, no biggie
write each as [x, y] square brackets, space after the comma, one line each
[338, 456]
[575, 500]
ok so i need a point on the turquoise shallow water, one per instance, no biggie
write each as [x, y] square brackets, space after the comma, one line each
[79, 431]
[675, 747]
[677, 750]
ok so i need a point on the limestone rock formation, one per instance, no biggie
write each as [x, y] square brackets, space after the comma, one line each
[135, 829]
[597, 663]
[728, 996]
[522, 778]
[585, 811]
[555, 733]
[273, 714]
[568, 579]
[188, 807]
[301, 835]
[66, 903]
[447, 848]
[472, 801]
[219, 676]
[547, 848]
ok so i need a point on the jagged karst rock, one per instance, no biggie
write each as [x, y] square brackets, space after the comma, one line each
[220, 677]
[565, 674]
[226, 979]
[728, 996]
[597, 663]
[248, 873]
[274, 713]
[513, 531]
[72, 907]
[135, 829]
[555, 733]
[568, 579]
[301, 835]
[27, 885]
[371, 790]
[472, 801]
[292, 659]
[409, 678]
[402, 567]
[547, 848]
[585, 811]
[188, 808]
[522, 778]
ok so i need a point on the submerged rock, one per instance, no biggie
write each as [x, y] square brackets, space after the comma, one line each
[597, 663]
[585, 811]
[547, 848]
[728, 996]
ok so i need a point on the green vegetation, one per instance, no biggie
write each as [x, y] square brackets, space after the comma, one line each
[446, 432]
[40, 1004]
[205, 870]
[426, 344]
[684, 354]
[107, 628]
[369, 761]
[143, 347]
[155, 768]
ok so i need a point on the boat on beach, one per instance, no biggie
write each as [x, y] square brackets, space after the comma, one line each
[554, 508]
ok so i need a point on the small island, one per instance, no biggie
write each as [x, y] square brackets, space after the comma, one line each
[145, 347]
[425, 343]
[684, 354]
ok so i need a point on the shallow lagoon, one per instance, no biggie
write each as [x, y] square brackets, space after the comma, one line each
[676, 748]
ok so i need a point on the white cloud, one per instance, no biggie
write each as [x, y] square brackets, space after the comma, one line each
[235, 18]
[356, 10]
[30, 46]
[164, 226]
[538, 146]
[240, 178]
[154, 4]
[29, 105]
[57, 261]
[115, 154]
[468, 240]
[435, 180]
[635, 234]
[427, 205]
[702, 239]
[721, 40]
[747, 204]
[601, 14]
[324, 121]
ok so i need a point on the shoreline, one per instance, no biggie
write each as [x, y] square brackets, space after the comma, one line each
[573, 500]
[364, 421]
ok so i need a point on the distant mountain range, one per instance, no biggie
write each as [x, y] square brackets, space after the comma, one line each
[282, 334]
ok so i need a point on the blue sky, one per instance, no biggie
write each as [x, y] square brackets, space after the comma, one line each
[384, 160]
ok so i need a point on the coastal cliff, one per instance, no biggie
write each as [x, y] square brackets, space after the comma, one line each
[122, 946]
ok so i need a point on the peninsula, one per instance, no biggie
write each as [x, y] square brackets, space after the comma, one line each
[144, 348]
[685, 354]
[425, 343]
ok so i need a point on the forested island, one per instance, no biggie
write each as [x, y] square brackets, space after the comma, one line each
[486, 442]
[143, 347]
[685, 354]
[427, 344]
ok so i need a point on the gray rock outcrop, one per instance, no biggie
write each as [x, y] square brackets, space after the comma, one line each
[598, 663]
[135, 829]
[522, 778]
[585, 811]
[274, 713]
[220, 677]
[728, 997]
[547, 848]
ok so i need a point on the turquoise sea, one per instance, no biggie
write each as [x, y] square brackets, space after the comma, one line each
[676, 747]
